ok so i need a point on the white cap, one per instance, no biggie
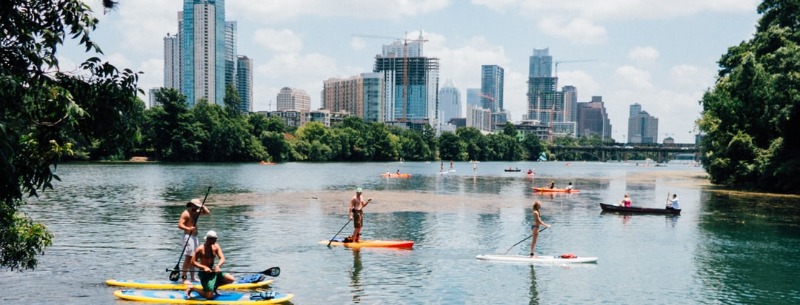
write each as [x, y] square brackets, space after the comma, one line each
[211, 234]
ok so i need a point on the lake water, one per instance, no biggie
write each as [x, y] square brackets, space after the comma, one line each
[120, 221]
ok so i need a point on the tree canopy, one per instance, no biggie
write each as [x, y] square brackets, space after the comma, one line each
[45, 112]
[750, 113]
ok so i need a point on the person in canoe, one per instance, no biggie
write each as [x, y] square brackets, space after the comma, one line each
[626, 201]
[357, 205]
[552, 184]
[398, 172]
[673, 203]
[537, 222]
[568, 187]
[187, 224]
[210, 277]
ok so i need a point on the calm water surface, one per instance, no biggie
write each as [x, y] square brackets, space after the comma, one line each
[120, 221]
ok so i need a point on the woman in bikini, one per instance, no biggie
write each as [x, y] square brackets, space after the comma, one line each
[537, 222]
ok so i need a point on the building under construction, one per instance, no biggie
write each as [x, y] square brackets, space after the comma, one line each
[411, 83]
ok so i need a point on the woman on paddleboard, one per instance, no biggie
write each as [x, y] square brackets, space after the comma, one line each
[537, 222]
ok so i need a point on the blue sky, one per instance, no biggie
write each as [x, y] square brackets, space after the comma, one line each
[660, 54]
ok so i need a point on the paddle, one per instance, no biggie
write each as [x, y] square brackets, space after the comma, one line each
[526, 238]
[174, 275]
[274, 271]
[345, 225]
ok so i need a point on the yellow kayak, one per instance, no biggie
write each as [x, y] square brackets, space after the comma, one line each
[170, 285]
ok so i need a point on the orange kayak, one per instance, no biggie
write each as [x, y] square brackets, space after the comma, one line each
[372, 243]
[549, 190]
[385, 175]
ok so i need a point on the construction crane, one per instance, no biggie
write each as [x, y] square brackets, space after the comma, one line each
[405, 62]
[570, 61]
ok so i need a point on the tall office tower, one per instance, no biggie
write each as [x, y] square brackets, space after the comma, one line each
[203, 50]
[410, 82]
[479, 118]
[293, 99]
[642, 127]
[373, 96]
[244, 82]
[230, 53]
[449, 101]
[635, 109]
[571, 103]
[343, 95]
[492, 88]
[592, 119]
[172, 62]
[544, 102]
[473, 97]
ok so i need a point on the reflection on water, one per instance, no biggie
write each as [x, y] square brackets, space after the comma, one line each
[120, 221]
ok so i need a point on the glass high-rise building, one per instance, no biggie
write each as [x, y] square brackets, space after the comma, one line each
[450, 102]
[411, 83]
[544, 102]
[230, 53]
[203, 50]
[244, 83]
[473, 97]
[492, 88]
[172, 61]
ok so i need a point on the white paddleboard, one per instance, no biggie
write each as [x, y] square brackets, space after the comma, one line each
[538, 259]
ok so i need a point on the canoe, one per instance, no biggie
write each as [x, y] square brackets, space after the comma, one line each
[372, 243]
[512, 170]
[538, 259]
[401, 175]
[170, 285]
[224, 297]
[556, 190]
[637, 210]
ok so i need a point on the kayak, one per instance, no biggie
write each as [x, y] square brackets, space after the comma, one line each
[401, 175]
[224, 297]
[637, 210]
[165, 284]
[372, 243]
[549, 190]
[538, 259]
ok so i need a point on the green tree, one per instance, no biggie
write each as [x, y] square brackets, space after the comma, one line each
[171, 131]
[750, 114]
[533, 146]
[451, 147]
[39, 101]
[472, 139]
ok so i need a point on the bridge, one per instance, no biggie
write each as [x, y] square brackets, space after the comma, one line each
[657, 152]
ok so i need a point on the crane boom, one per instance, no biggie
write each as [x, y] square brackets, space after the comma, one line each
[557, 62]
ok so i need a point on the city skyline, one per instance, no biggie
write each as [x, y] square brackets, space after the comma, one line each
[662, 56]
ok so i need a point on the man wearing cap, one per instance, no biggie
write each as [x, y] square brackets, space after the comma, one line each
[357, 205]
[187, 223]
[210, 275]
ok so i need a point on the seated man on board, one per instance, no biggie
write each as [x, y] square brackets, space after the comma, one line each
[210, 275]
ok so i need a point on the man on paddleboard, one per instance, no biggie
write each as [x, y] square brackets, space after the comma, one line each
[210, 275]
[357, 205]
[187, 223]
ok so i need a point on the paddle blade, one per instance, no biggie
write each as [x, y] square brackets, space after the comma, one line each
[174, 275]
[274, 271]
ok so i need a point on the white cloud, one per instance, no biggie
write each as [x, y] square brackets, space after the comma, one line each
[690, 77]
[358, 43]
[278, 40]
[282, 10]
[634, 77]
[643, 54]
[578, 30]
[496, 5]
[622, 9]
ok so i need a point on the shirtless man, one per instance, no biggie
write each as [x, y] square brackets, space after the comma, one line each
[357, 205]
[210, 277]
[187, 223]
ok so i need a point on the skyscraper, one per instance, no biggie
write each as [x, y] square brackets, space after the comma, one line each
[172, 61]
[571, 103]
[492, 88]
[473, 97]
[449, 101]
[244, 82]
[203, 50]
[592, 119]
[230, 53]
[291, 99]
[373, 96]
[411, 82]
[544, 102]
[642, 127]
